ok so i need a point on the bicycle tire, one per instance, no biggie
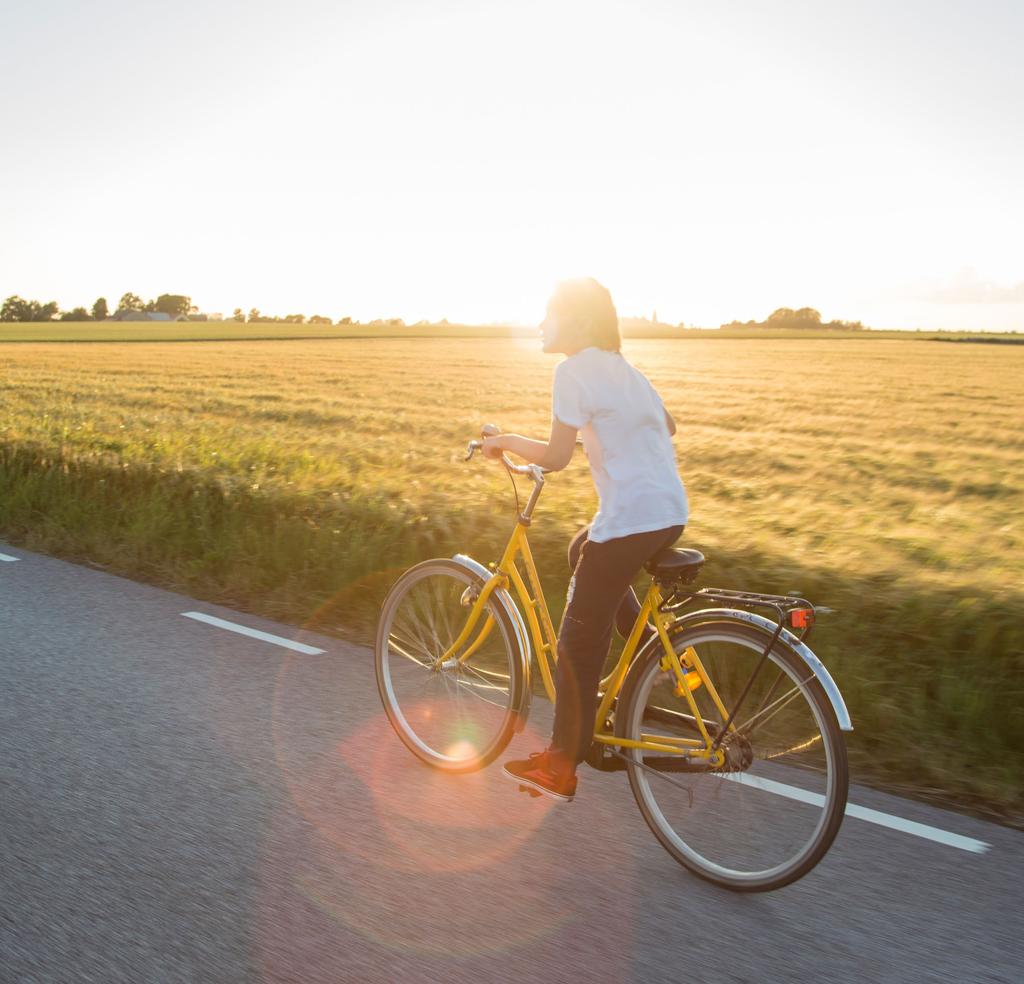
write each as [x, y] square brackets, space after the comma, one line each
[754, 784]
[493, 674]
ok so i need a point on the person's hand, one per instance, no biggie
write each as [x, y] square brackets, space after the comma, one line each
[492, 448]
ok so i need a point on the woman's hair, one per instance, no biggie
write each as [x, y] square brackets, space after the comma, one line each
[588, 306]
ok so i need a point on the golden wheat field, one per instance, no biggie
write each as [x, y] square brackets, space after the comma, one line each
[902, 458]
[880, 477]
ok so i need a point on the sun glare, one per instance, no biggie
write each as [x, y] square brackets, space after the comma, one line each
[461, 750]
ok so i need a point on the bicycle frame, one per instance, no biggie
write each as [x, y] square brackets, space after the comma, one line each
[689, 673]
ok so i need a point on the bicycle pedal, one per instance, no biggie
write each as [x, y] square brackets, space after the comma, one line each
[529, 789]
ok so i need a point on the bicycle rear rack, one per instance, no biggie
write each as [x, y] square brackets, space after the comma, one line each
[794, 612]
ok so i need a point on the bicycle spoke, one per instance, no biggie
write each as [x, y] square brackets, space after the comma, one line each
[485, 683]
[661, 775]
[768, 694]
[406, 648]
[786, 698]
[801, 747]
[415, 629]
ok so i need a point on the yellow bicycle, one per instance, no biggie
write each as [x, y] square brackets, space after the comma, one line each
[728, 726]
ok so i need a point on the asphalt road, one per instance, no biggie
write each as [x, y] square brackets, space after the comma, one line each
[179, 802]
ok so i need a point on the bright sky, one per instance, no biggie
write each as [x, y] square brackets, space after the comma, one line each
[453, 158]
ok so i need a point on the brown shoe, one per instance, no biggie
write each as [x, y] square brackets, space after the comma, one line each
[544, 773]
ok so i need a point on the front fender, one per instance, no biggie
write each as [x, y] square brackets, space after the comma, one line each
[504, 599]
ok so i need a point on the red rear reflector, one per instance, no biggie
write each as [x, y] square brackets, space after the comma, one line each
[801, 618]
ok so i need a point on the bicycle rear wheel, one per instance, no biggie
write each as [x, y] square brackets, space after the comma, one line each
[767, 816]
[454, 716]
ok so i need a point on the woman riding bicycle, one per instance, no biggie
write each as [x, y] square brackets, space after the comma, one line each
[627, 435]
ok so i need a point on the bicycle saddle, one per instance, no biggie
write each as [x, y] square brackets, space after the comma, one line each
[675, 564]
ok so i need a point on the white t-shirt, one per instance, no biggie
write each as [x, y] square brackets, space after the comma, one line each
[622, 422]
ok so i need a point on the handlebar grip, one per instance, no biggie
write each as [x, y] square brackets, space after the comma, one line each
[532, 471]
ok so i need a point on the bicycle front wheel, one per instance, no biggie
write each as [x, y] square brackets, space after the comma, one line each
[767, 815]
[454, 715]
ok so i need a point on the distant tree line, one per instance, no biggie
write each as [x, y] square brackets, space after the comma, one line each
[256, 317]
[175, 305]
[801, 319]
[16, 308]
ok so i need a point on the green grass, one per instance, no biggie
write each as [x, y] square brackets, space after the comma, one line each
[297, 478]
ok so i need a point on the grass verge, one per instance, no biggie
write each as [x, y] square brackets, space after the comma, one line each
[932, 676]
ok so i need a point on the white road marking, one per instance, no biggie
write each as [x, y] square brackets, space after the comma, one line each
[861, 813]
[299, 647]
[7, 557]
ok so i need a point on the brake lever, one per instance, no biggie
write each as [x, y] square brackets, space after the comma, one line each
[488, 430]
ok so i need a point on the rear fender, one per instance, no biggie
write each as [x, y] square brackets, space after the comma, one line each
[503, 598]
[767, 627]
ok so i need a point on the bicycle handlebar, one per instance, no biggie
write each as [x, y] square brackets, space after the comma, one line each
[531, 471]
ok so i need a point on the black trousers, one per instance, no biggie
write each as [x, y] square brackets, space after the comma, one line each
[600, 596]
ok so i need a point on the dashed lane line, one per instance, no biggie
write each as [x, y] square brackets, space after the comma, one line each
[861, 812]
[8, 558]
[299, 647]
